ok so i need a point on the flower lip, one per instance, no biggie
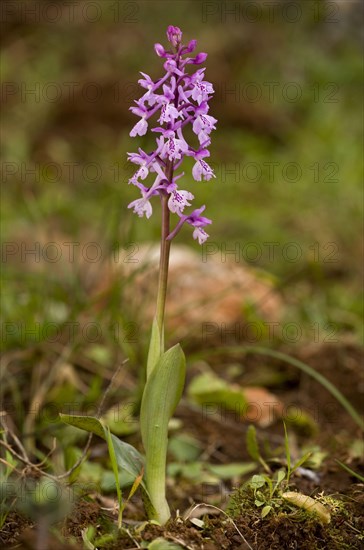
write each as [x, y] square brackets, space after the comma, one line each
[178, 200]
[200, 234]
[142, 206]
[140, 128]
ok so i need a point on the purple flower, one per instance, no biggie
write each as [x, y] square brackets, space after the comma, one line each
[176, 100]
[196, 219]
[159, 50]
[177, 201]
[199, 222]
[169, 113]
[203, 124]
[147, 164]
[200, 234]
[200, 58]
[142, 206]
[201, 89]
[140, 128]
[201, 169]
[170, 146]
[190, 47]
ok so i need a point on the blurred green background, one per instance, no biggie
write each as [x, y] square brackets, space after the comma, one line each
[287, 152]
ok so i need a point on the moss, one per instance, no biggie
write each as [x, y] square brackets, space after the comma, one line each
[286, 523]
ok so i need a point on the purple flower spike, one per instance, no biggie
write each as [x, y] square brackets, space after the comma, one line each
[174, 101]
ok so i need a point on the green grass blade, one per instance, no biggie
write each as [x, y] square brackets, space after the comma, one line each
[252, 443]
[288, 454]
[350, 471]
[115, 469]
[301, 461]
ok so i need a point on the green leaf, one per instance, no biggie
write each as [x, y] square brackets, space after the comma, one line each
[107, 480]
[86, 423]
[87, 535]
[192, 470]
[356, 449]
[120, 419]
[99, 354]
[302, 460]
[252, 443]
[101, 542]
[208, 388]
[162, 392]
[127, 457]
[303, 424]
[253, 447]
[228, 471]
[288, 454]
[270, 485]
[70, 456]
[155, 350]
[184, 448]
[266, 510]
[281, 474]
[163, 544]
[257, 481]
[136, 484]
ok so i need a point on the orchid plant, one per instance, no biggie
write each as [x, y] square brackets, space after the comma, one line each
[177, 100]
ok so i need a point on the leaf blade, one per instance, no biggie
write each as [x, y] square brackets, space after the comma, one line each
[127, 457]
[155, 351]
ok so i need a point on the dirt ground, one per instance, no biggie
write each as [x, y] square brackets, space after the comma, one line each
[224, 439]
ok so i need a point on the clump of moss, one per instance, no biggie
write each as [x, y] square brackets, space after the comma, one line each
[286, 522]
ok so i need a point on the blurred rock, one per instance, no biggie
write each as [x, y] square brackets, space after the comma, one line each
[205, 299]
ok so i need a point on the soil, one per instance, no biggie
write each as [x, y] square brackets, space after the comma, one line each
[223, 438]
[15, 525]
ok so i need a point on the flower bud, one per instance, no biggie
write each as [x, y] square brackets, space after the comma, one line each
[170, 65]
[200, 58]
[159, 50]
[174, 35]
[191, 46]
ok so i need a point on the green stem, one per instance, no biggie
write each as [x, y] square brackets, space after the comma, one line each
[163, 268]
[164, 260]
[156, 449]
